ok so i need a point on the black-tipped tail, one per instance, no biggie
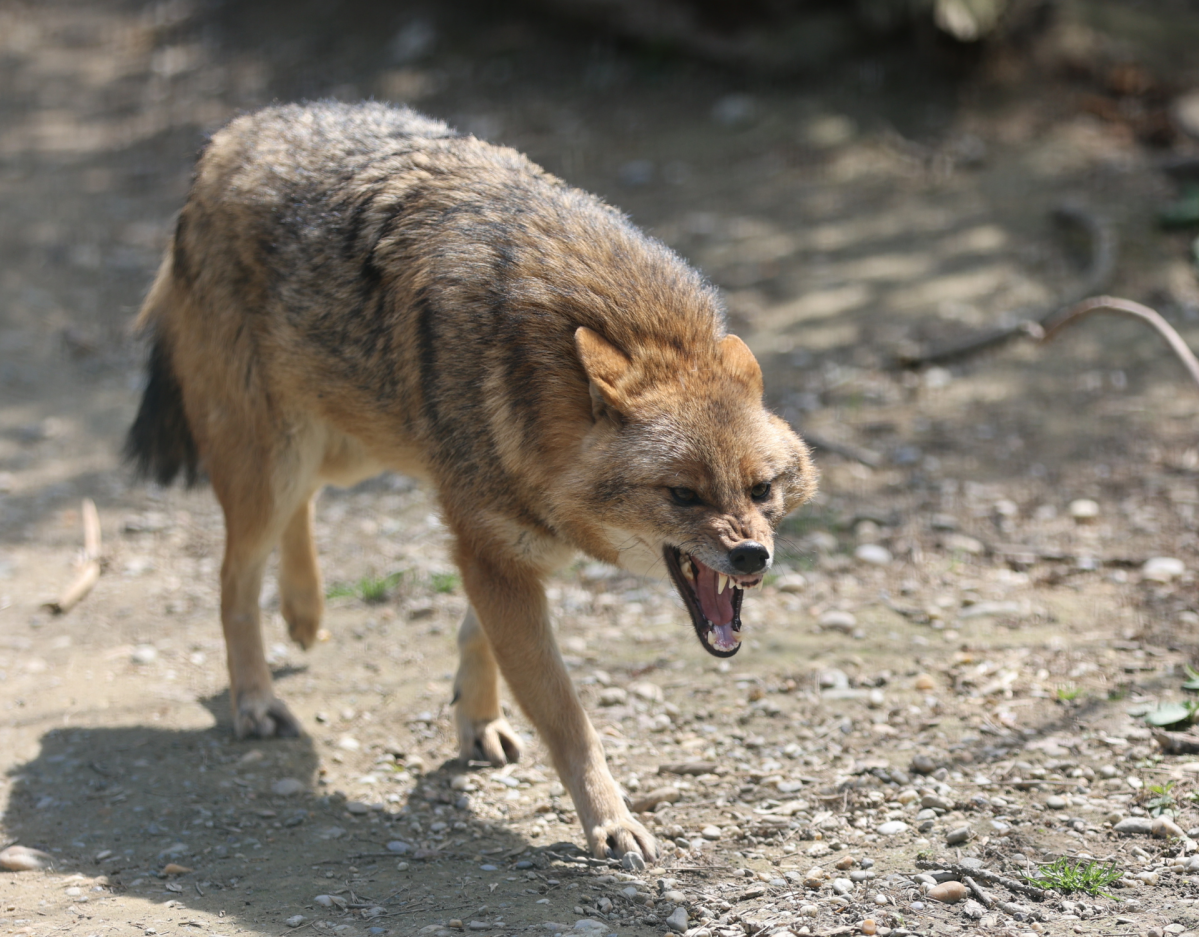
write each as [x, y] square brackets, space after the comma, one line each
[160, 443]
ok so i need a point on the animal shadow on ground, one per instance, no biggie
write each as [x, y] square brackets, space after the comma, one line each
[203, 824]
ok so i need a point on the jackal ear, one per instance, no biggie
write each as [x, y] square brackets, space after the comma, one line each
[605, 365]
[741, 361]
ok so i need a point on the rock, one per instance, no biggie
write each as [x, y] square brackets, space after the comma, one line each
[869, 928]
[358, 808]
[791, 583]
[677, 921]
[1134, 826]
[673, 896]
[1165, 828]
[348, 743]
[842, 886]
[948, 892]
[399, 847]
[961, 543]
[633, 862]
[874, 554]
[144, 654]
[647, 691]
[921, 764]
[974, 910]
[711, 832]
[174, 868]
[1084, 510]
[936, 801]
[295, 921]
[1162, 569]
[925, 682]
[890, 828]
[613, 696]
[660, 795]
[809, 910]
[956, 837]
[287, 787]
[24, 859]
[1185, 113]
[1056, 803]
[836, 620]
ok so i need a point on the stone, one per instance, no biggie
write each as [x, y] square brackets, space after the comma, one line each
[961, 543]
[295, 921]
[633, 862]
[1185, 113]
[890, 828]
[677, 920]
[869, 928]
[948, 892]
[836, 620]
[874, 554]
[24, 859]
[842, 886]
[956, 837]
[1134, 826]
[1165, 828]
[925, 682]
[711, 832]
[144, 654]
[1162, 569]
[791, 583]
[647, 691]
[358, 808]
[613, 696]
[660, 795]
[399, 847]
[1084, 510]
[1056, 803]
[287, 787]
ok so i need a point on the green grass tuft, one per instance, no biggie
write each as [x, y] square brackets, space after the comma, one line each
[1068, 875]
[445, 583]
[1068, 693]
[373, 590]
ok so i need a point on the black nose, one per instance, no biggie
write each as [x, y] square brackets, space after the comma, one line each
[749, 557]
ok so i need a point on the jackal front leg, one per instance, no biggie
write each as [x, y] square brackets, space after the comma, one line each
[510, 603]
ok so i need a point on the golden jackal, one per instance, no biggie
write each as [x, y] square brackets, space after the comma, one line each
[357, 288]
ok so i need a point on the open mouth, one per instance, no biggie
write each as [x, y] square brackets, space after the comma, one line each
[712, 598]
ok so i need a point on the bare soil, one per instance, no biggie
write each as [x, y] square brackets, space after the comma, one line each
[989, 678]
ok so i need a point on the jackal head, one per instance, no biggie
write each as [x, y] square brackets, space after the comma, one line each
[685, 466]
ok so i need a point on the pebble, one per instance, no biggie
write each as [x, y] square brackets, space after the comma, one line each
[1084, 510]
[958, 836]
[399, 846]
[873, 553]
[677, 921]
[1162, 569]
[295, 921]
[144, 654]
[791, 583]
[349, 743]
[948, 892]
[660, 795]
[836, 620]
[647, 691]
[809, 910]
[890, 828]
[925, 682]
[1165, 828]
[673, 896]
[1134, 826]
[287, 787]
[633, 862]
[842, 886]
[961, 543]
[358, 808]
[24, 859]
[711, 832]
[613, 696]
[936, 801]
[1056, 803]
[1185, 112]
[869, 927]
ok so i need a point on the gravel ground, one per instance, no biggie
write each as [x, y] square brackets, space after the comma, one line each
[945, 677]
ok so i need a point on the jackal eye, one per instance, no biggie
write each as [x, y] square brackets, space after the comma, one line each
[684, 496]
[760, 491]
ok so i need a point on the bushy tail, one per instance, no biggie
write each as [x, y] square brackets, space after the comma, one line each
[160, 443]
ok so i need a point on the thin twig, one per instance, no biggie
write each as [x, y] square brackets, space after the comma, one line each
[1126, 307]
[1102, 263]
[89, 570]
[981, 895]
[991, 878]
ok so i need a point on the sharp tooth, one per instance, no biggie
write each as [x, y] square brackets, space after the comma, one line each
[722, 582]
[688, 569]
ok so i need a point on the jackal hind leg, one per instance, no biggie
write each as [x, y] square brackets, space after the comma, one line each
[483, 732]
[258, 508]
[301, 592]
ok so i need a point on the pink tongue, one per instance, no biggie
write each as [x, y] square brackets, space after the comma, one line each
[717, 608]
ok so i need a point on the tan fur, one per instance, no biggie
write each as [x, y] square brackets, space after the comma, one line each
[351, 289]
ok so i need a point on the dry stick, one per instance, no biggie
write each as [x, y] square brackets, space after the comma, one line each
[981, 895]
[1126, 307]
[89, 571]
[959, 872]
[1098, 273]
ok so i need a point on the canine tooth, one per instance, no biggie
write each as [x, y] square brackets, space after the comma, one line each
[688, 569]
[722, 582]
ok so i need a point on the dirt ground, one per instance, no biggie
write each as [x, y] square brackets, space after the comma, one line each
[948, 667]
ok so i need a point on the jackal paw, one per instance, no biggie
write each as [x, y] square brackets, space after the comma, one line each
[267, 718]
[613, 838]
[490, 740]
[303, 617]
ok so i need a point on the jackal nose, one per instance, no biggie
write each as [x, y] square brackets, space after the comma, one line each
[749, 557]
